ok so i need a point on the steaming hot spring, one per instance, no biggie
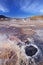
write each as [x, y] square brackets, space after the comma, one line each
[15, 52]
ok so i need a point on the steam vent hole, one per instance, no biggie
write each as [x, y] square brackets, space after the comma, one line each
[30, 50]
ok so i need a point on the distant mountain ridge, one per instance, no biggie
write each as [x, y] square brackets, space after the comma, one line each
[37, 17]
[2, 16]
[32, 17]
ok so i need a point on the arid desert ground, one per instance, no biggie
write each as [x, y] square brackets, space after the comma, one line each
[24, 31]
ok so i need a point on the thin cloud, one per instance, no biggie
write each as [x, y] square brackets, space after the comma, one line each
[32, 7]
[3, 9]
[41, 10]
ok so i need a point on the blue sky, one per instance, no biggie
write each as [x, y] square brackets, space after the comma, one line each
[21, 8]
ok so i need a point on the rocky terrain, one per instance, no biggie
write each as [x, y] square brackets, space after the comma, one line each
[22, 27]
[20, 33]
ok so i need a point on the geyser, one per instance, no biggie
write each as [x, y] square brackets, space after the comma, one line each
[30, 50]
